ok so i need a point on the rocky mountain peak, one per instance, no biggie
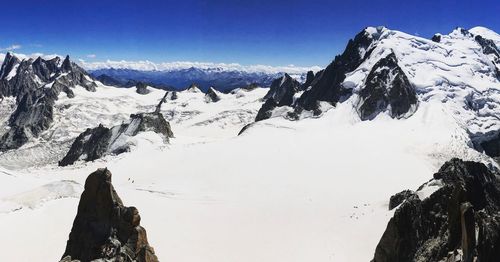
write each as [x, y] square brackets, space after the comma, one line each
[387, 88]
[309, 79]
[281, 93]
[67, 64]
[9, 64]
[193, 88]
[36, 85]
[212, 95]
[327, 85]
[142, 88]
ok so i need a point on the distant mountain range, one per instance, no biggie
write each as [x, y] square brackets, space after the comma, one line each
[178, 79]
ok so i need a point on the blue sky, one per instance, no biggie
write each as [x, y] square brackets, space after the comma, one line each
[248, 32]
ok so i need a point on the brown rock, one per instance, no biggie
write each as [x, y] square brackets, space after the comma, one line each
[104, 228]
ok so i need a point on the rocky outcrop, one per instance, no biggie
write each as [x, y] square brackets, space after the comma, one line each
[142, 89]
[266, 111]
[75, 75]
[398, 198]
[10, 64]
[34, 114]
[104, 229]
[36, 84]
[88, 146]
[212, 96]
[281, 93]
[327, 84]
[490, 48]
[442, 227]
[97, 142]
[309, 79]
[387, 88]
[283, 89]
[436, 38]
[193, 88]
[488, 144]
[173, 96]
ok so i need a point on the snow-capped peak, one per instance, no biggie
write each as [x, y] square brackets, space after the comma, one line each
[374, 32]
[486, 33]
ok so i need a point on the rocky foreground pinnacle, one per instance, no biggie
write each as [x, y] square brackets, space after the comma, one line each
[459, 222]
[104, 229]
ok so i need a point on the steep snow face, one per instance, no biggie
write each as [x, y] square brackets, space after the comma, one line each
[454, 72]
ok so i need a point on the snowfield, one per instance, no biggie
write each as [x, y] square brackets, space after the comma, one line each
[282, 191]
[316, 189]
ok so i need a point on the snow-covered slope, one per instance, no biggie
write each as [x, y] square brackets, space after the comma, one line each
[457, 71]
[316, 189]
[454, 71]
[189, 114]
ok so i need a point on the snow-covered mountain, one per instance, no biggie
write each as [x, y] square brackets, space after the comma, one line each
[222, 79]
[310, 175]
[384, 71]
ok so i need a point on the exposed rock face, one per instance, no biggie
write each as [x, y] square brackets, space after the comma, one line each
[36, 84]
[142, 89]
[398, 198]
[468, 231]
[266, 111]
[9, 65]
[435, 228]
[488, 246]
[89, 146]
[212, 96]
[488, 143]
[309, 79]
[490, 48]
[436, 38]
[76, 75]
[327, 84]
[281, 93]
[386, 88]
[97, 142]
[283, 89]
[106, 229]
[174, 95]
[193, 88]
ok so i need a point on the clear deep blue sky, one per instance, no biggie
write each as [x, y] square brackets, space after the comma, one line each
[247, 32]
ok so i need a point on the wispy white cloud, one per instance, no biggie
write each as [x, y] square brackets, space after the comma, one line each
[146, 65]
[91, 55]
[169, 66]
[11, 48]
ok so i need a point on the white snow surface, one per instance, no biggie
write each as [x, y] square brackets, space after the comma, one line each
[486, 33]
[454, 72]
[316, 189]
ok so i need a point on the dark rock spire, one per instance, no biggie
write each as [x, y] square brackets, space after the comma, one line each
[104, 228]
